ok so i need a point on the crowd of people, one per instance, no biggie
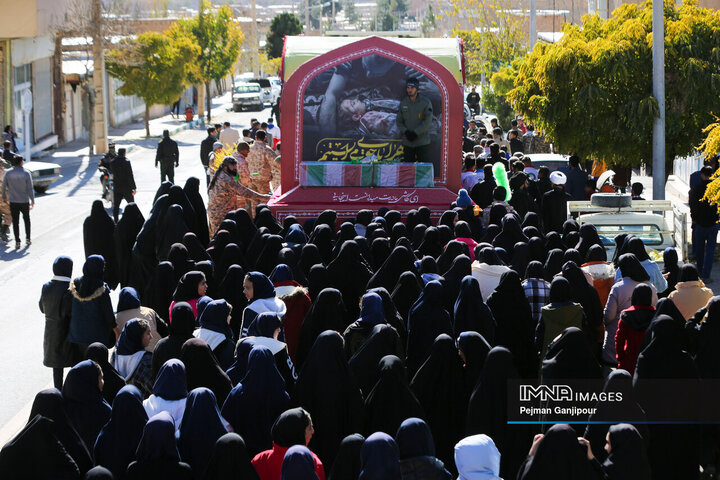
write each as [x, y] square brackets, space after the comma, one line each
[380, 349]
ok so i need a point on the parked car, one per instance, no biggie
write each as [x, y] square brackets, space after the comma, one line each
[247, 95]
[276, 86]
[553, 161]
[266, 89]
[43, 173]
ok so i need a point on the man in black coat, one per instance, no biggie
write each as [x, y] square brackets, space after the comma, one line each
[168, 156]
[521, 201]
[481, 193]
[123, 181]
[206, 147]
[554, 204]
[704, 217]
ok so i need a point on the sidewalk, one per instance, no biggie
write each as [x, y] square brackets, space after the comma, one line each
[127, 135]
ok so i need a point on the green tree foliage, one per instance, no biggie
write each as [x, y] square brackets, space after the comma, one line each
[282, 25]
[350, 13]
[429, 22]
[152, 66]
[592, 91]
[319, 9]
[494, 96]
[219, 40]
[493, 36]
[389, 14]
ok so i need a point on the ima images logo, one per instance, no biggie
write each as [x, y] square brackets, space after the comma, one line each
[545, 393]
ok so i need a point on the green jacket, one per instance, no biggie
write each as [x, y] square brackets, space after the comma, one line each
[554, 321]
[416, 116]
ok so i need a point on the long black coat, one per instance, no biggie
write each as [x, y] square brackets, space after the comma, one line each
[123, 178]
[56, 303]
[554, 210]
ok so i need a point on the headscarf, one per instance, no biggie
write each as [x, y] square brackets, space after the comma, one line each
[326, 387]
[557, 456]
[203, 369]
[513, 317]
[628, 459]
[371, 311]
[49, 404]
[553, 240]
[477, 458]
[392, 316]
[84, 404]
[635, 245]
[187, 288]
[471, 313]
[383, 340]
[159, 291]
[158, 440]
[130, 340]
[596, 253]
[585, 294]
[390, 401]
[414, 439]
[171, 383]
[119, 438]
[570, 356]
[572, 255]
[298, 464]
[619, 248]
[126, 232]
[349, 259]
[192, 193]
[98, 353]
[295, 236]
[511, 233]
[379, 458]
[324, 237]
[180, 330]
[630, 267]
[588, 237]
[400, 260]
[200, 428]
[474, 348]
[255, 402]
[406, 293]
[439, 386]
[99, 238]
[214, 318]
[537, 250]
[688, 273]
[347, 461]
[431, 244]
[265, 218]
[318, 280]
[535, 270]
[92, 277]
[453, 249]
[326, 313]
[230, 459]
[671, 267]
[427, 319]
[553, 264]
[489, 256]
[180, 259]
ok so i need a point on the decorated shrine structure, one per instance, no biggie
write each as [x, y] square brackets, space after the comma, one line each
[341, 147]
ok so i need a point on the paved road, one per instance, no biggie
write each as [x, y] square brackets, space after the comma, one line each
[57, 230]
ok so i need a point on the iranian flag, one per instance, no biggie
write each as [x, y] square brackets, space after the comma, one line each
[334, 174]
[404, 175]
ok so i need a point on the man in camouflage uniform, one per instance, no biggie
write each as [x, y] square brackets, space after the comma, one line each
[260, 160]
[225, 194]
[4, 211]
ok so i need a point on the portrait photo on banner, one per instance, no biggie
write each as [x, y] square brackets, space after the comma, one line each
[350, 111]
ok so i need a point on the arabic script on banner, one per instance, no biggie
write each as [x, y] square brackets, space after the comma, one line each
[348, 149]
[406, 196]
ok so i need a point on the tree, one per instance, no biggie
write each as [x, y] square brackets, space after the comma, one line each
[429, 22]
[350, 13]
[592, 91]
[493, 35]
[318, 10]
[389, 14]
[219, 40]
[494, 95]
[282, 25]
[154, 67]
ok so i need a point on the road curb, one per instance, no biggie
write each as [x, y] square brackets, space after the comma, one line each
[185, 126]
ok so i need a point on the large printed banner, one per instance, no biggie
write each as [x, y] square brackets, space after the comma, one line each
[350, 111]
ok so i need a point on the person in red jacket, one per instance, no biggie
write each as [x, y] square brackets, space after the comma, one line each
[632, 325]
[292, 427]
[297, 301]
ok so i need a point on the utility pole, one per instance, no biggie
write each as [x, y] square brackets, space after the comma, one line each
[200, 87]
[533, 24]
[99, 127]
[658, 149]
[255, 41]
[307, 16]
[332, 2]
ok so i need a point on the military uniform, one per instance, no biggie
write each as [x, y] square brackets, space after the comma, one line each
[415, 116]
[260, 161]
[225, 196]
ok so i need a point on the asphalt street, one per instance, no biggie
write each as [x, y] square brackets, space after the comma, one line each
[57, 221]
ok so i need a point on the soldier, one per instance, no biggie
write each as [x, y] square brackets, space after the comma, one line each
[225, 194]
[260, 161]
